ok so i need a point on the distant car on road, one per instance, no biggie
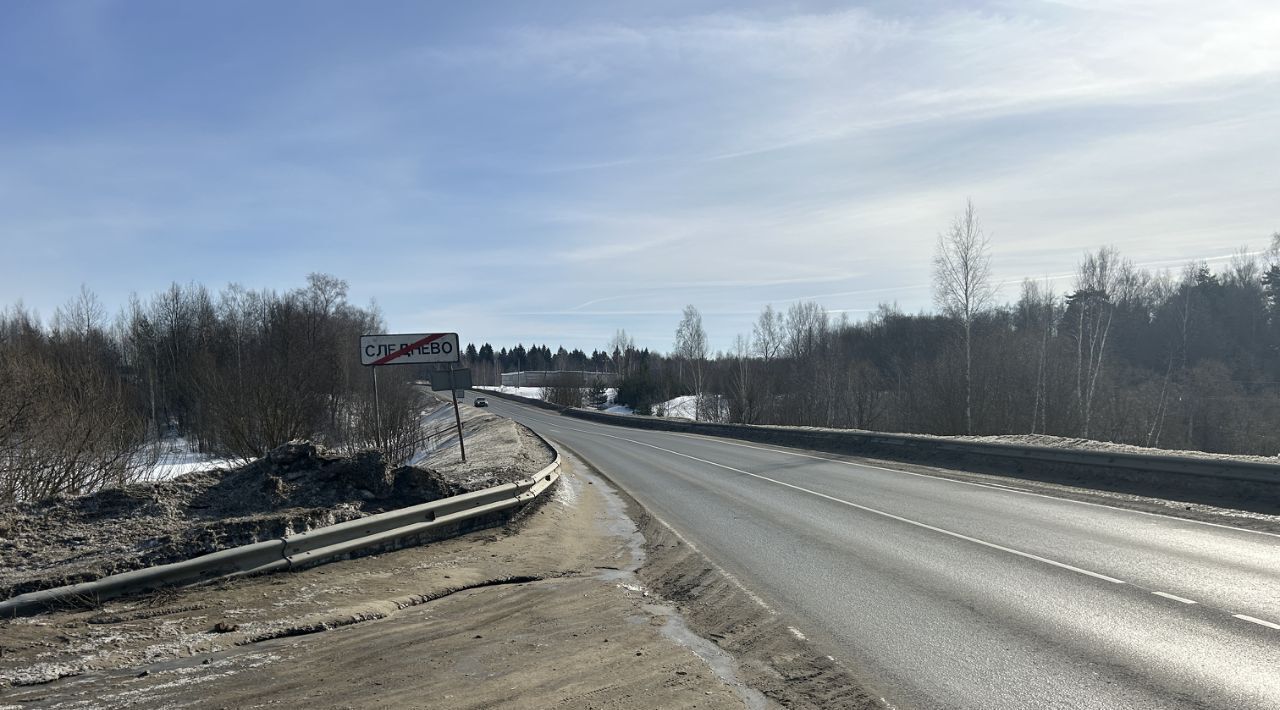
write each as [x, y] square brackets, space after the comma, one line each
[482, 402]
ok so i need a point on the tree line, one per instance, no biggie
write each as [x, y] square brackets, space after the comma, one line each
[85, 399]
[487, 364]
[1186, 359]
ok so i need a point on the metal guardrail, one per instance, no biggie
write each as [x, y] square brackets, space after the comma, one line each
[305, 549]
[1249, 485]
[1250, 471]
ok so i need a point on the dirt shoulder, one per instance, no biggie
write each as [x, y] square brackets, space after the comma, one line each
[548, 612]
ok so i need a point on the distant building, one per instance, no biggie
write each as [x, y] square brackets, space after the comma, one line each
[559, 378]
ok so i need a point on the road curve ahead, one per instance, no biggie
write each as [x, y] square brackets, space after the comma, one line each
[947, 594]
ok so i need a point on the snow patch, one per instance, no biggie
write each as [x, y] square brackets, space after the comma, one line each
[526, 392]
[566, 493]
[177, 457]
[634, 588]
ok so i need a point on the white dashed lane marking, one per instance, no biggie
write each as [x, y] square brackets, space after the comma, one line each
[1260, 622]
[1174, 597]
[1002, 548]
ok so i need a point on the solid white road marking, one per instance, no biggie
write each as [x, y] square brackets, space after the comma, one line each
[869, 509]
[1267, 624]
[1011, 489]
[1176, 598]
[855, 464]
[926, 526]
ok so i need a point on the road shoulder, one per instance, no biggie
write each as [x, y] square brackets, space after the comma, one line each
[546, 612]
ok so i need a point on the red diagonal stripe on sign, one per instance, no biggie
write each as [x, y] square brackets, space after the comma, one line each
[407, 348]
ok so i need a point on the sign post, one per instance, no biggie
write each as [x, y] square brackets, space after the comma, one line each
[377, 407]
[457, 417]
[454, 381]
[412, 349]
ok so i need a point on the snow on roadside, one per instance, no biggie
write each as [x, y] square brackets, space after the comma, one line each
[178, 457]
[610, 393]
[526, 392]
[1062, 442]
[686, 407]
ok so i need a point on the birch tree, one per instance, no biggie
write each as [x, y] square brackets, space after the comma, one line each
[1096, 282]
[1037, 314]
[766, 343]
[743, 379]
[691, 348]
[962, 286]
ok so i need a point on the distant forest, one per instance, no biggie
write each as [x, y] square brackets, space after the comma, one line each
[1180, 360]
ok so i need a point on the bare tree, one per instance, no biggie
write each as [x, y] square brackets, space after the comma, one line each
[766, 343]
[743, 381]
[620, 349]
[1097, 281]
[1038, 306]
[962, 286]
[1243, 271]
[767, 335]
[691, 348]
[806, 322]
[82, 315]
[564, 395]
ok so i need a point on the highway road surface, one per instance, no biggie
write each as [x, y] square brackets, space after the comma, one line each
[947, 594]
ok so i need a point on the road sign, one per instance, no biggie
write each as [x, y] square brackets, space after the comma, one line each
[409, 349]
[445, 380]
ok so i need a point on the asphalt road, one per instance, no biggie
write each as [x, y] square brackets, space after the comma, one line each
[947, 594]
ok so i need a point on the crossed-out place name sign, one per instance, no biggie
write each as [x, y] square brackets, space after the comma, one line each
[409, 348]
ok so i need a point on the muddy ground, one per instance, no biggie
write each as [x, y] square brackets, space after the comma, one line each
[573, 605]
[296, 487]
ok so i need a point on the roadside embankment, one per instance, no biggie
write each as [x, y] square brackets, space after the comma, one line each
[295, 488]
[560, 608]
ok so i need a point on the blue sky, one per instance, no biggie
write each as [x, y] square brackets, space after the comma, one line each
[551, 172]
